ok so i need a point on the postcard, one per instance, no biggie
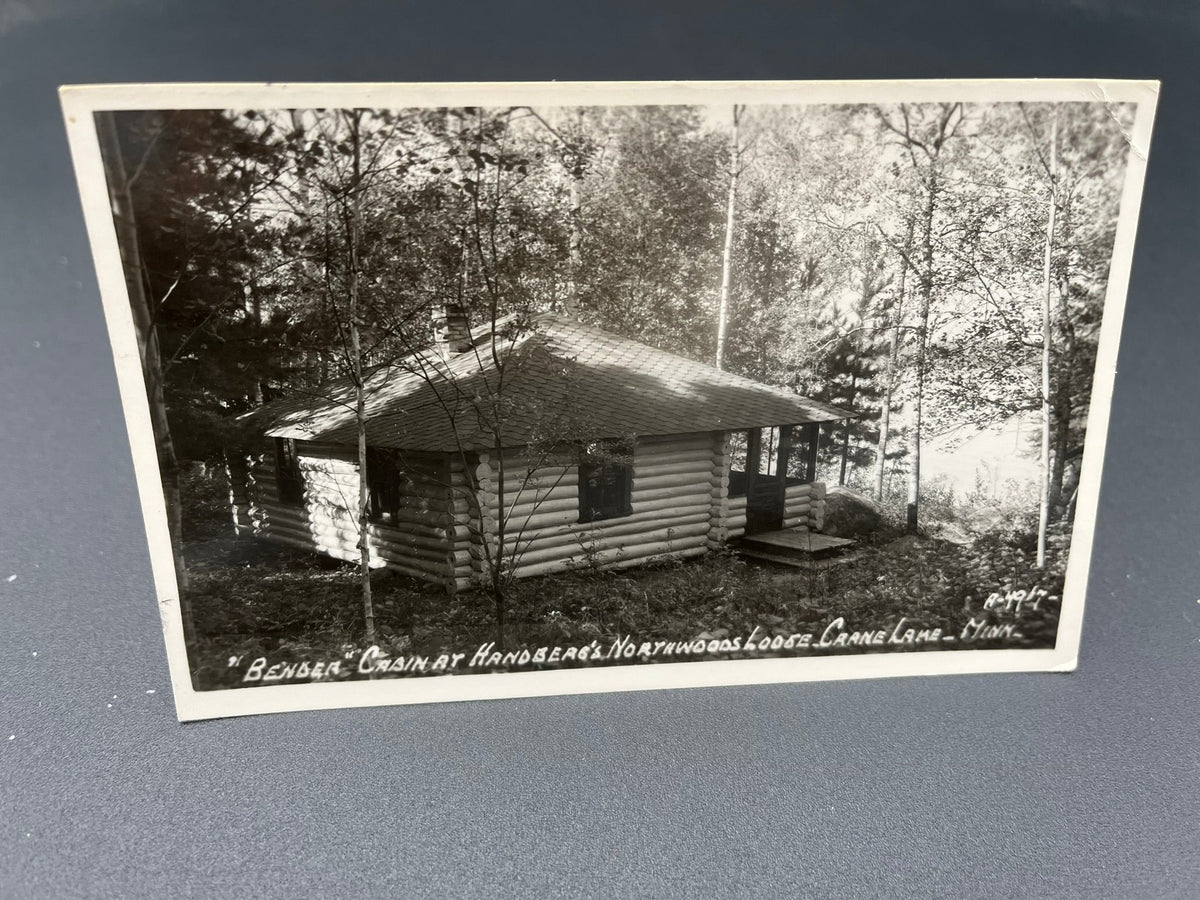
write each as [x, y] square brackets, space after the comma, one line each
[441, 392]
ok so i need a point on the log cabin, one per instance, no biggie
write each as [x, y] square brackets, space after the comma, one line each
[536, 444]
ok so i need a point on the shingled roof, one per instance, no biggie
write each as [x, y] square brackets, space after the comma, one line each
[548, 378]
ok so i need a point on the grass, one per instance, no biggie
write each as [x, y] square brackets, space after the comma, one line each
[251, 599]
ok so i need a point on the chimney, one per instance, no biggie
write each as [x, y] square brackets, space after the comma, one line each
[451, 332]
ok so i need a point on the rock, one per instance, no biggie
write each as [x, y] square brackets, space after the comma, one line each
[951, 533]
[850, 514]
[987, 520]
[907, 544]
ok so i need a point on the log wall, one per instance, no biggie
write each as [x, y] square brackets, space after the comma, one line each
[804, 506]
[719, 501]
[422, 543]
[735, 517]
[671, 509]
[448, 531]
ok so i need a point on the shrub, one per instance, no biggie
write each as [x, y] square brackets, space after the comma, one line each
[204, 500]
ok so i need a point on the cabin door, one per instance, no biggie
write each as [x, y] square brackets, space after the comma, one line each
[767, 451]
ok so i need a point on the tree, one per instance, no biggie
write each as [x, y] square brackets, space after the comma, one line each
[894, 319]
[735, 165]
[495, 257]
[182, 185]
[1032, 254]
[1090, 162]
[576, 147]
[923, 133]
[1047, 337]
[352, 216]
[142, 305]
[654, 226]
[814, 272]
[202, 244]
[896, 260]
[852, 369]
[347, 162]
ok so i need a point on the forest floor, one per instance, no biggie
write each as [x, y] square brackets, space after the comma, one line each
[252, 600]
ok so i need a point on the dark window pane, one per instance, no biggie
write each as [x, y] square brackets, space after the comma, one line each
[385, 486]
[605, 482]
[288, 479]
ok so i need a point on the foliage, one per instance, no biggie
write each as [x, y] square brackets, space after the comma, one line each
[887, 260]
[241, 219]
[195, 177]
[654, 221]
[204, 489]
[254, 600]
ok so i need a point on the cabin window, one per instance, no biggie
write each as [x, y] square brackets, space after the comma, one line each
[752, 453]
[760, 452]
[769, 445]
[739, 453]
[605, 481]
[803, 468]
[385, 486]
[289, 483]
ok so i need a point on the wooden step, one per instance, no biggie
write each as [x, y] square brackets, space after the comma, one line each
[809, 542]
[799, 562]
[796, 547]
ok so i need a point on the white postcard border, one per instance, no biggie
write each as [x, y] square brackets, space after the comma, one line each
[80, 102]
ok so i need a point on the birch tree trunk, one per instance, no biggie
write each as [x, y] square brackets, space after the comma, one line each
[1060, 427]
[846, 431]
[360, 393]
[889, 380]
[497, 571]
[1047, 288]
[572, 145]
[727, 253]
[914, 484]
[575, 240]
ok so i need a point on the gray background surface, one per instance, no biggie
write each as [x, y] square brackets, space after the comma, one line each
[1002, 786]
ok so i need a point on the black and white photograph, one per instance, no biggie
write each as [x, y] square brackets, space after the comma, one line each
[444, 392]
